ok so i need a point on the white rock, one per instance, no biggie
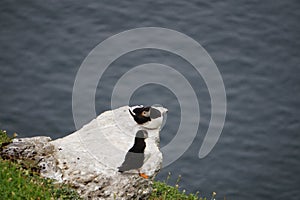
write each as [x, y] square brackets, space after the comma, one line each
[89, 158]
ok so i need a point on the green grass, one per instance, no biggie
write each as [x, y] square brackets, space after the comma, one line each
[163, 191]
[17, 182]
[4, 139]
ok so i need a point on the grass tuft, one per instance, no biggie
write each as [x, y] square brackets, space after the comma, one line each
[19, 183]
[163, 191]
[4, 139]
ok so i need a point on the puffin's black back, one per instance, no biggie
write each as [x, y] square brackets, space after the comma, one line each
[139, 145]
[134, 158]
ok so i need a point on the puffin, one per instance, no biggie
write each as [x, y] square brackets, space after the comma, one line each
[141, 114]
[149, 116]
[134, 158]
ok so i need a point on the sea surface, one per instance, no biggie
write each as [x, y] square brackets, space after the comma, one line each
[255, 45]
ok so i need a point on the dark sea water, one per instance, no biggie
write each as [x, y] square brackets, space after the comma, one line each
[255, 44]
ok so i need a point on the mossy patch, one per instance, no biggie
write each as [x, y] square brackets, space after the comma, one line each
[163, 191]
[18, 182]
[4, 139]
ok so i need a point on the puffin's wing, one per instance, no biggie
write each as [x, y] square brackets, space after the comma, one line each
[132, 161]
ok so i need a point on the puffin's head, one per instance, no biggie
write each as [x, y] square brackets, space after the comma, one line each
[146, 112]
[141, 134]
[142, 111]
[150, 117]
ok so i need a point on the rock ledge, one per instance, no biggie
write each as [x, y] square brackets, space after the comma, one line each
[88, 158]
